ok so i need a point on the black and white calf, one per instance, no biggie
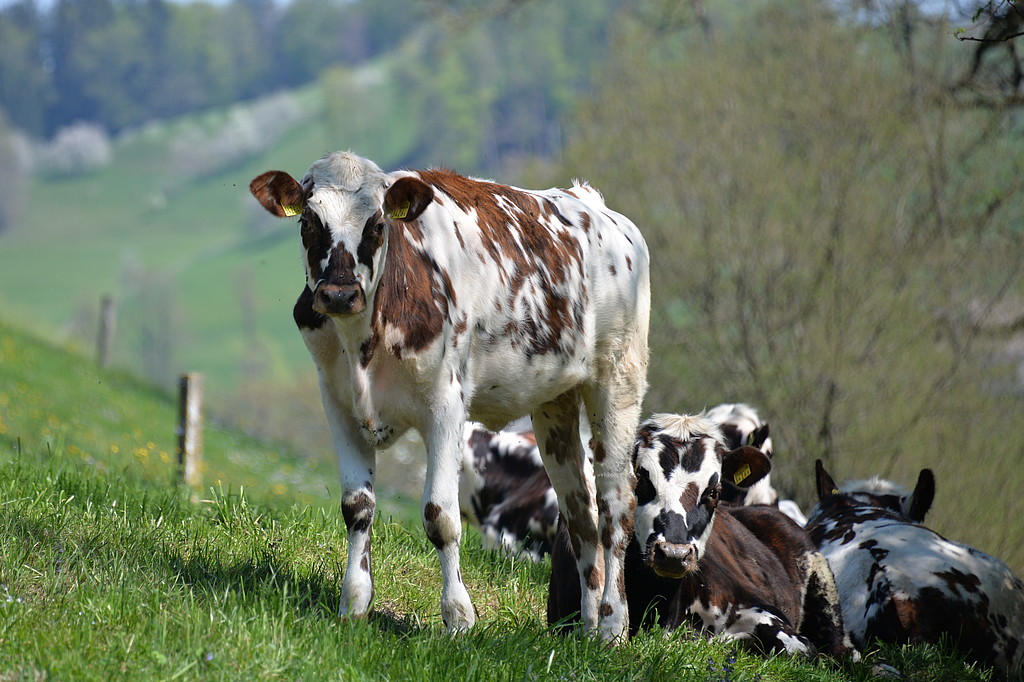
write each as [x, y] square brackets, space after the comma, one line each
[742, 425]
[901, 582]
[432, 298]
[505, 491]
[741, 573]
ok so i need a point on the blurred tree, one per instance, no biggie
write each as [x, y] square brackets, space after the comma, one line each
[13, 177]
[818, 229]
[26, 83]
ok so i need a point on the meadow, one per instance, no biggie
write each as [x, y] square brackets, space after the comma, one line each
[111, 570]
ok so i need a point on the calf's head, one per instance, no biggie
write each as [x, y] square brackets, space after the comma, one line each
[346, 206]
[878, 493]
[680, 464]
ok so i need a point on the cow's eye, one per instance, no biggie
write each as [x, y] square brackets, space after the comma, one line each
[712, 494]
[378, 229]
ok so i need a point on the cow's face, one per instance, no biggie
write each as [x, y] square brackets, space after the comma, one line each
[680, 464]
[345, 206]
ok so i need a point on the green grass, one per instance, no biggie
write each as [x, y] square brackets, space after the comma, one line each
[109, 570]
[102, 577]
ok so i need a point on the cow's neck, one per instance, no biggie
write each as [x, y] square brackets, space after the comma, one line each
[358, 339]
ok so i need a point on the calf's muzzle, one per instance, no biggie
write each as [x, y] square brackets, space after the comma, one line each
[339, 299]
[672, 559]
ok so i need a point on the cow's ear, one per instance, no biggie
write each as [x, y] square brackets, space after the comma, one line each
[826, 486]
[745, 466]
[407, 199]
[921, 499]
[279, 193]
[758, 436]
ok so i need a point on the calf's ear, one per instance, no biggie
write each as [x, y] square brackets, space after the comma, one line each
[279, 193]
[407, 198]
[826, 486]
[758, 436]
[920, 500]
[745, 466]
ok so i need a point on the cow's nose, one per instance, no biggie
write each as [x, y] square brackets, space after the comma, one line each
[344, 299]
[673, 560]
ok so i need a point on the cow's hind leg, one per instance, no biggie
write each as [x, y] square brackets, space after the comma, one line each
[442, 520]
[613, 407]
[557, 427]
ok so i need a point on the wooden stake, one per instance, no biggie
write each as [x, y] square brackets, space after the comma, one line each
[105, 336]
[190, 429]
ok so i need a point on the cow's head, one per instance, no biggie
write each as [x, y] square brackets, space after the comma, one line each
[741, 425]
[680, 463]
[879, 493]
[345, 205]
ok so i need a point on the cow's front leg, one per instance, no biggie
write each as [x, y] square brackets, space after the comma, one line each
[441, 518]
[357, 507]
[356, 460]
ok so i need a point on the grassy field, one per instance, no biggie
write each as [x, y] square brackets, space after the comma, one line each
[108, 570]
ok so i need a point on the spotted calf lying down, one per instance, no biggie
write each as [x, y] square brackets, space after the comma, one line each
[741, 573]
[505, 491]
[901, 582]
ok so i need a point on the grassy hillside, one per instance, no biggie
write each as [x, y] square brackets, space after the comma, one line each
[57, 403]
[108, 571]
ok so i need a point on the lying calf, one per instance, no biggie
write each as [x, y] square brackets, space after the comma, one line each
[742, 573]
[506, 493]
[903, 583]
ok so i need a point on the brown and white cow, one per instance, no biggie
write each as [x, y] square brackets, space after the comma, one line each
[432, 298]
[748, 574]
[903, 583]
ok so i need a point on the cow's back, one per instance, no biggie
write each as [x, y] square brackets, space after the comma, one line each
[530, 274]
[903, 583]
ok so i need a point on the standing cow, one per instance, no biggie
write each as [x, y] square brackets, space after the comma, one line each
[903, 583]
[431, 298]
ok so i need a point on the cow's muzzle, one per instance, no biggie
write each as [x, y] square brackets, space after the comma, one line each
[339, 299]
[671, 559]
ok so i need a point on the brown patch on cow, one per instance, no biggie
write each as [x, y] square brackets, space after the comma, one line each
[611, 269]
[357, 511]
[558, 443]
[599, 452]
[690, 496]
[367, 348]
[414, 294]
[606, 610]
[629, 263]
[541, 255]
[431, 511]
[592, 577]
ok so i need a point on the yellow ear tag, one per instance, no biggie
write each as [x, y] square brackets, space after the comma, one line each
[741, 474]
[835, 491]
[400, 212]
[291, 209]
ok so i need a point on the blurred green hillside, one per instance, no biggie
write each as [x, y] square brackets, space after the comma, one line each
[833, 200]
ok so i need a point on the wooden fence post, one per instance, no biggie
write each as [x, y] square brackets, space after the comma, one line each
[105, 336]
[190, 428]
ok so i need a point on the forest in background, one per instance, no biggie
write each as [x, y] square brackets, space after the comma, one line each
[831, 191]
